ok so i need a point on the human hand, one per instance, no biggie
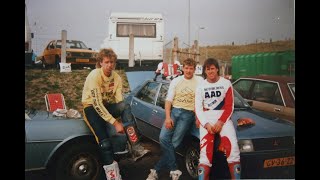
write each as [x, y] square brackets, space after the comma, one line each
[119, 127]
[169, 123]
[216, 128]
[208, 128]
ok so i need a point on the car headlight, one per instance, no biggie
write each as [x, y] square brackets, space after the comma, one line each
[245, 145]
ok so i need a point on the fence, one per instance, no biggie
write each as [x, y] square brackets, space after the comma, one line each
[172, 51]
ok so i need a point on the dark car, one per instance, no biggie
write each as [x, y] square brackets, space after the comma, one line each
[272, 94]
[267, 147]
[64, 148]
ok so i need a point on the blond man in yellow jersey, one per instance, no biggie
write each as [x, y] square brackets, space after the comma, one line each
[103, 102]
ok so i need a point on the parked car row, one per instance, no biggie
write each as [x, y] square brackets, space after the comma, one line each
[267, 147]
[67, 148]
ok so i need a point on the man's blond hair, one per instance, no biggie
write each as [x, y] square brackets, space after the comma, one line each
[106, 52]
[189, 62]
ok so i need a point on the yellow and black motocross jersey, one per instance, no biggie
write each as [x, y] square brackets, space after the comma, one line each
[99, 89]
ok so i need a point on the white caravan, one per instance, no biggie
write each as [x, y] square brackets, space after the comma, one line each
[148, 31]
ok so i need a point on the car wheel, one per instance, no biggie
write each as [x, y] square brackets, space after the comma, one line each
[192, 160]
[57, 61]
[43, 63]
[78, 162]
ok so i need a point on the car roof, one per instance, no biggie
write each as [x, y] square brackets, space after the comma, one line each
[280, 79]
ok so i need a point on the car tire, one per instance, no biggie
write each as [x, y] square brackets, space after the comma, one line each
[192, 159]
[78, 162]
[43, 64]
[56, 63]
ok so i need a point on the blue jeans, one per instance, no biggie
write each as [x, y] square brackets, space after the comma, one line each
[170, 139]
[106, 132]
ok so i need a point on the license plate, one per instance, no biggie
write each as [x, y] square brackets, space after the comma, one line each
[82, 60]
[286, 161]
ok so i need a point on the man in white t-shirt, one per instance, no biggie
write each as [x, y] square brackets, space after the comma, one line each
[180, 115]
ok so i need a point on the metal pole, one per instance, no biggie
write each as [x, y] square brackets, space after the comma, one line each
[189, 24]
[189, 55]
[198, 43]
[199, 28]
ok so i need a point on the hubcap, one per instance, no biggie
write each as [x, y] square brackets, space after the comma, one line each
[84, 167]
[192, 161]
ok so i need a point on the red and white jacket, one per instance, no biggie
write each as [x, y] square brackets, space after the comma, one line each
[214, 101]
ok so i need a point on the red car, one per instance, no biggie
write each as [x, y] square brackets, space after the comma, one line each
[272, 94]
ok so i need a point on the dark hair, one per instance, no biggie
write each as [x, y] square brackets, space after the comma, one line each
[106, 52]
[189, 62]
[207, 63]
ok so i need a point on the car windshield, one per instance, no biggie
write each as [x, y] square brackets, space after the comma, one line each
[239, 102]
[73, 44]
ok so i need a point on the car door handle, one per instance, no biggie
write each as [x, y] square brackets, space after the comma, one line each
[155, 111]
[134, 103]
[277, 109]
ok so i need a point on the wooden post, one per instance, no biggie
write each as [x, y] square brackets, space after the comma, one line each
[175, 50]
[131, 51]
[196, 48]
[64, 67]
[63, 45]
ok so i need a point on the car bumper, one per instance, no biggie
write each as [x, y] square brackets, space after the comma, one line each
[252, 165]
[91, 61]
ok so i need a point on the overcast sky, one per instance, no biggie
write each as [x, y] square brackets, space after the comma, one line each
[224, 21]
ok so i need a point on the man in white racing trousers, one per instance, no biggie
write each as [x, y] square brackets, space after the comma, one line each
[214, 107]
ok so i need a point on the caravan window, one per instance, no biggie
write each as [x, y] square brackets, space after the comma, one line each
[138, 30]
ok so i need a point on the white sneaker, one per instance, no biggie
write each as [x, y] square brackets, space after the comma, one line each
[112, 171]
[153, 175]
[175, 174]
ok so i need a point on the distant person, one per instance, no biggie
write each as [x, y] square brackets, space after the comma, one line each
[179, 109]
[34, 56]
[159, 69]
[177, 62]
[198, 69]
[168, 70]
[103, 102]
[214, 107]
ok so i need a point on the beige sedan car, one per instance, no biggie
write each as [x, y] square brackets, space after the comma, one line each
[272, 94]
[77, 53]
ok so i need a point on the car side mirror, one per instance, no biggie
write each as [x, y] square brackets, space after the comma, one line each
[90, 48]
